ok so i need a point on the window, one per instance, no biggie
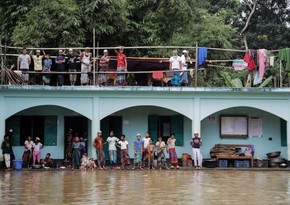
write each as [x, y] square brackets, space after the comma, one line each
[44, 127]
[164, 125]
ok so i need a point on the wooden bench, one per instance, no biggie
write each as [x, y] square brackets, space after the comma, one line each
[235, 156]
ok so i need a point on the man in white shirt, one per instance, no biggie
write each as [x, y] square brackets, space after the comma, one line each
[183, 75]
[23, 63]
[175, 65]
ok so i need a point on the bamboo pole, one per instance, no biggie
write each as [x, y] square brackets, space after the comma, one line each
[98, 44]
[196, 64]
[280, 75]
[94, 54]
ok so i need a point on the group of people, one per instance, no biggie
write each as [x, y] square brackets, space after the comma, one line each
[69, 62]
[145, 151]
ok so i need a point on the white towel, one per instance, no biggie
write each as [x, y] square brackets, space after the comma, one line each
[272, 59]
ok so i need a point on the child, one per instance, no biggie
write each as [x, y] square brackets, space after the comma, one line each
[138, 151]
[84, 162]
[76, 154]
[145, 140]
[160, 145]
[47, 161]
[7, 149]
[112, 140]
[125, 159]
[150, 154]
[98, 144]
[46, 68]
[91, 164]
[172, 152]
[36, 151]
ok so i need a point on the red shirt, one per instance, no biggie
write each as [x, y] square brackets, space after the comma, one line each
[98, 142]
[121, 59]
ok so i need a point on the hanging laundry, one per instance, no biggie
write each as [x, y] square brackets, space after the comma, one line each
[272, 61]
[158, 75]
[202, 56]
[284, 56]
[249, 58]
[239, 64]
[257, 79]
[262, 56]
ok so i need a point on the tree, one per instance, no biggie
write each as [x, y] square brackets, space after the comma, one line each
[55, 24]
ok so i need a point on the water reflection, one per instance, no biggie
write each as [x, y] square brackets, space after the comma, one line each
[144, 187]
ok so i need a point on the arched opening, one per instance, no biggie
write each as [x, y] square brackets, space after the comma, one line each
[156, 120]
[50, 123]
[266, 131]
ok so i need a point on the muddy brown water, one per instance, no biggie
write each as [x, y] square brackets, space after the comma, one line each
[145, 187]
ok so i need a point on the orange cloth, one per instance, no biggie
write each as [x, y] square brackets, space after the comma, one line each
[157, 75]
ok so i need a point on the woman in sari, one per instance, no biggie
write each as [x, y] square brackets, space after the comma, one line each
[171, 150]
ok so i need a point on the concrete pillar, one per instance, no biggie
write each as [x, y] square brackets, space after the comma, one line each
[196, 116]
[95, 125]
[2, 123]
[288, 131]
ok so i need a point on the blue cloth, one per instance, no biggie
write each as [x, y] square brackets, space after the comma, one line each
[202, 56]
[138, 144]
[175, 79]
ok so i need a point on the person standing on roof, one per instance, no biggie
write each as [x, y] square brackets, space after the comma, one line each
[175, 65]
[23, 63]
[60, 66]
[86, 60]
[72, 66]
[183, 75]
[121, 66]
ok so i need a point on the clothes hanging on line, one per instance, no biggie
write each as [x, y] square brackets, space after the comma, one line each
[202, 56]
[250, 59]
[239, 64]
[284, 56]
[262, 61]
[272, 61]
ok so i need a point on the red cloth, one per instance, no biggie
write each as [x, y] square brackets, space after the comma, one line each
[121, 59]
[157, 75]
[98, 142]
[250, 61]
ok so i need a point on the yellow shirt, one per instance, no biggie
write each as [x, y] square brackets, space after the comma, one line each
[37, 62]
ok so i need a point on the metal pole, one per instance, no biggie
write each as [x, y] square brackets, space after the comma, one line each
[94, 55]
[196, 64]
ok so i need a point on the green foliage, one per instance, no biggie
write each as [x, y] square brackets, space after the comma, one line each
[56, 24]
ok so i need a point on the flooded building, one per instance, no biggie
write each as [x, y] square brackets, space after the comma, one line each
[222, 116]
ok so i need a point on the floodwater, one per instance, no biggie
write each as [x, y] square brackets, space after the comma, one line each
[145, 187]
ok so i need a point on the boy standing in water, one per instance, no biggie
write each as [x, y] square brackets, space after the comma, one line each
[171, 149]
[150, 154]
[98, 144]
[138, 151]
[112, 140]
[125, 159]
[160, 146]
[145, 145]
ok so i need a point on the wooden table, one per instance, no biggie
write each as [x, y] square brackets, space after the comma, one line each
[251, 158]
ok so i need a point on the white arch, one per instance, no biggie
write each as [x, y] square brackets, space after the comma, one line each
[82, 106]
[279, 108]
[182, 106]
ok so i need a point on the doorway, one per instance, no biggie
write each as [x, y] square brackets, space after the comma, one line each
[79, 126]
